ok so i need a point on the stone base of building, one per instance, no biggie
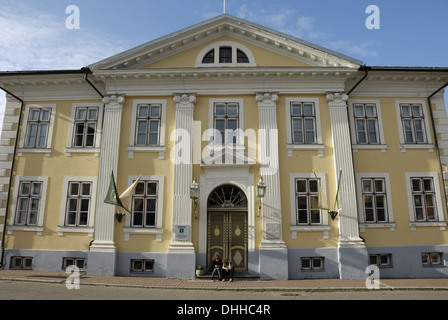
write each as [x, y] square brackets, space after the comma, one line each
[353, 262]
[273, 261]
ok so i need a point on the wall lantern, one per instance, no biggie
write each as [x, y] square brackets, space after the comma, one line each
[194, 195]
[333, 214]
[261, 192]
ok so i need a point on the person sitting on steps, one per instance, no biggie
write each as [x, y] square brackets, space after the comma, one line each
[217, 265]
[227, 269]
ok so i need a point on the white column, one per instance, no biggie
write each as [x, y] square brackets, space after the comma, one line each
[273, 252]
[110, 141]
[343, 160]
[182, 158]
[352, 252]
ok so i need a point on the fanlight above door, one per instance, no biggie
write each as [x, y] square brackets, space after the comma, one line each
[227, 197]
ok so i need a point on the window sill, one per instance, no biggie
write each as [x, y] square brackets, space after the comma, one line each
[70, 150]
[440, 224]
[160, 149]
[382, 147]
[305, 147]
[21, 151]
[364, 226]
[404, 147]
[37, 229]
[88, 230]
[132, 230]
[310, 228]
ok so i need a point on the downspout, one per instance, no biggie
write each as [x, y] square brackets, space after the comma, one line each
[87, 71]
[436, 144]
[2, 264]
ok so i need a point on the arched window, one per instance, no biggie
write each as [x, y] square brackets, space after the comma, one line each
[209, 57]
[227, 197]
[226, 53]
[241, 57]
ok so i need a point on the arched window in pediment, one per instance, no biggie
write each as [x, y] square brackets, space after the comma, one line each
[225, 53]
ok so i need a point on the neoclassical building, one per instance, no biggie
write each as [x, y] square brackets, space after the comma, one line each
[271, 132]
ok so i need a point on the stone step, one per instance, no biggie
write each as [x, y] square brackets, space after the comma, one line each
[243, 275]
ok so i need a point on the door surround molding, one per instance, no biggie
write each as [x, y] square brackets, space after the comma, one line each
[215, 177]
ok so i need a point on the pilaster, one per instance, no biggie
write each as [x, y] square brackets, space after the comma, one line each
[181, 253]
[273, 252]
[110, 142]
[352, 250]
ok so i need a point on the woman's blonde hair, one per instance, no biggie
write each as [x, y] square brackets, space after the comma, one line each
[225, 261]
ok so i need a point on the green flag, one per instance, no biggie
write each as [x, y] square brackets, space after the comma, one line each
[112, 194]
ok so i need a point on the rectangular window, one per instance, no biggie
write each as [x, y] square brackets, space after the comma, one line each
[78, 262]
[432, 259]
[303, 122]
[21, 263]
[38, 125]
[413, 122]
[78, 204]
[381, 260]
[307, 200]
[374, 199]
[28, 203]
[313, 263]
[225, 55]
[144, 204]
[85, 125]
[226, 121]
[366, 122]
[148, 124]
[424, 199]
[138, 265]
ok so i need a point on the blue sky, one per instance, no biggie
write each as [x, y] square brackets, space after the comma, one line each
[33, 34]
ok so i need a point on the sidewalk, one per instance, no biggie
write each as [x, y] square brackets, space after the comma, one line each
[237, 284]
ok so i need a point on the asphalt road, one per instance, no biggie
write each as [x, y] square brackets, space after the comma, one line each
[21, 290]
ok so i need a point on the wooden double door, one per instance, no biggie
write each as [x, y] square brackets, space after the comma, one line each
[227, 237]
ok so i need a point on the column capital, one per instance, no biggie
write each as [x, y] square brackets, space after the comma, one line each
[266, 98]
[185, 100]
[337, 98]
[114, 101]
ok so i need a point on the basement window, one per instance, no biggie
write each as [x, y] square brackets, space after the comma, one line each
[432, 259]
[312, 264]
[78, 262]
[140, 265]
[22, 263]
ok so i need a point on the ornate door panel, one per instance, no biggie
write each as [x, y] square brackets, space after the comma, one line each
[227, 237]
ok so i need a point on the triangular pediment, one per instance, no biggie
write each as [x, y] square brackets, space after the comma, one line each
[299, 52]
[225, 156]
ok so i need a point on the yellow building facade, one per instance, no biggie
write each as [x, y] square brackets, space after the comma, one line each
[233, 106]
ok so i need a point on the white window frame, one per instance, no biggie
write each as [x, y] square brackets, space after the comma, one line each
[218, 147]
[47, 149]
[318, 145]
[381, 145]
[440, 208]
[96, 148]
[235, 46]
[161, 148]
[390, 214]
[89, 229]
[39, 227]
[295, 228]
[403, 145]
[158, 229]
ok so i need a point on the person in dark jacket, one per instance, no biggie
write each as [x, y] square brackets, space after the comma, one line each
[217, 266]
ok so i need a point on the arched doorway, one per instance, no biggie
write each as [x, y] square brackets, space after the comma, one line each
[227, 226]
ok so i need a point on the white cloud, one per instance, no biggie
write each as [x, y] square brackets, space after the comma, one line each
[365, 48]
[33, 40]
